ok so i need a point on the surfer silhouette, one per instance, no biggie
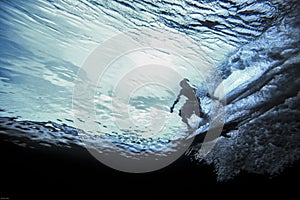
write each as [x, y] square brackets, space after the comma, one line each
[191, 105]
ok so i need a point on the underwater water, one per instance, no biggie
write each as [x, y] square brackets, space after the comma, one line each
[253, 46]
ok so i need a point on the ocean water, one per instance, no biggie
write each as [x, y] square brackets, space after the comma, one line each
[253, 46]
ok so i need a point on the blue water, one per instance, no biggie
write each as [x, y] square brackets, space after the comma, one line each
[44, 44]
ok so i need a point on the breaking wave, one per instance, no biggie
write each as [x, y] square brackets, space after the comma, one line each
[254, 46]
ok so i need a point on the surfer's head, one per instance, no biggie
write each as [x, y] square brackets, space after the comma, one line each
[184, 83]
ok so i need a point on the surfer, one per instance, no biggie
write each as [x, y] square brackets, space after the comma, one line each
[191, 105]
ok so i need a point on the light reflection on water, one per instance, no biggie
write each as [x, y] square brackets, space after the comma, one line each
[44, 44]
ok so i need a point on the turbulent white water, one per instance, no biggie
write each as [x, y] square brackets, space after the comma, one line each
[254, 46]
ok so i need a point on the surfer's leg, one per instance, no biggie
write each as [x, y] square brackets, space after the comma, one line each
[185, 120]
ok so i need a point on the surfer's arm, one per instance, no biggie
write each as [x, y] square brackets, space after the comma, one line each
[222, 101]
[175, 102]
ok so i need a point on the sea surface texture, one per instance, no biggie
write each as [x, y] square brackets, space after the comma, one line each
[254, 46]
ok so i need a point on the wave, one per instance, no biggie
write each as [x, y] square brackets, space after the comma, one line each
[254, 47]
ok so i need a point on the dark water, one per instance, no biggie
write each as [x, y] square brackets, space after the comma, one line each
[253, 45]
